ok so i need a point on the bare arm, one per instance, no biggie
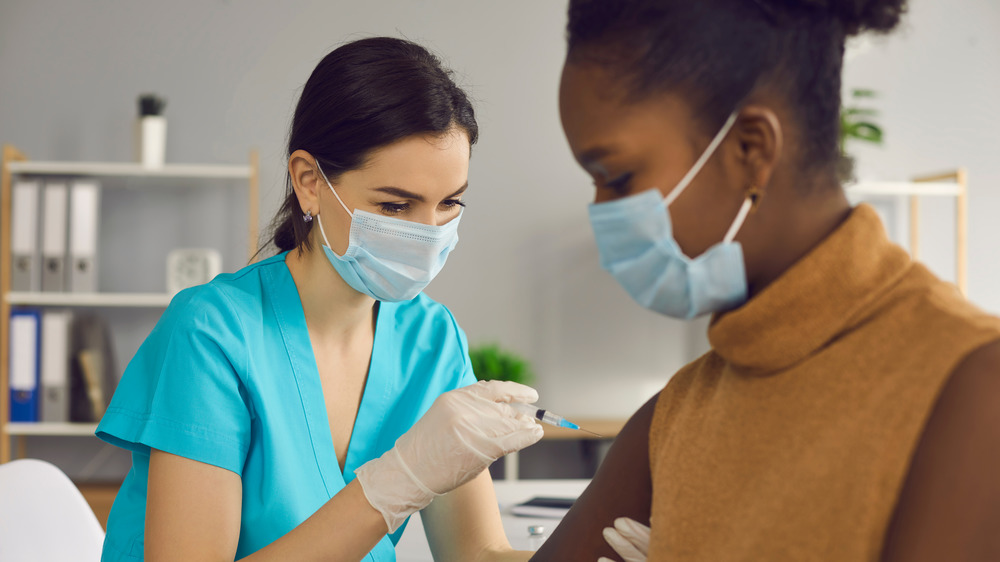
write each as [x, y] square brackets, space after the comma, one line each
[622, 488]
[949, 507]
[464, 525]
[193, 514]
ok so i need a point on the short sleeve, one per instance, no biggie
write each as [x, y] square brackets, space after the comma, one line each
[182, 392]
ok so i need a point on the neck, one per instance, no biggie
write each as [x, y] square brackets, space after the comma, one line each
[332, 308]
[801, 223]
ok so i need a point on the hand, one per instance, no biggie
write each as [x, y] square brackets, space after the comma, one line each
[629, 538]
[462, 433]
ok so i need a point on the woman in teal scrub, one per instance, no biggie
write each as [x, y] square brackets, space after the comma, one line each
[303, 407]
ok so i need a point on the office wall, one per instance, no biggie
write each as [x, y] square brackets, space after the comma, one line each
[526, 273]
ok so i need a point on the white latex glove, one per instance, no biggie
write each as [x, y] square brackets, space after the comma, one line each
[629, 538]
[462, 433]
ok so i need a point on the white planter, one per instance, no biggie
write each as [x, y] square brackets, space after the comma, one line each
[151, 141]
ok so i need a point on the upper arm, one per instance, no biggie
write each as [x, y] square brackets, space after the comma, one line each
[465, 524]
[622, 487]
[192, 510]
[949, 506]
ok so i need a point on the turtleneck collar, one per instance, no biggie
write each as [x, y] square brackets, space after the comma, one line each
[826, 292]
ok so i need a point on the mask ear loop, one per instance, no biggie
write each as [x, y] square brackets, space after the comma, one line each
[749, 205]
[319, 219]
[686, 180]
[330, 185]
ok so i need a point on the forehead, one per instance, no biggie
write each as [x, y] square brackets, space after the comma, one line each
[420, 162]
[597, 111]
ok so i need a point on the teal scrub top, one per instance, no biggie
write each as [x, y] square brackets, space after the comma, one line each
[227, 377]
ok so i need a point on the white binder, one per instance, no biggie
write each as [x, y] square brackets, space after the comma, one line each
[84, 213]
[55, 365]
[56, 200]
[26, 267]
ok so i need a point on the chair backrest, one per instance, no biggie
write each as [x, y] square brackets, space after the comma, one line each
[43, 516]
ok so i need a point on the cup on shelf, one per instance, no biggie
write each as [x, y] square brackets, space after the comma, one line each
[151, 140]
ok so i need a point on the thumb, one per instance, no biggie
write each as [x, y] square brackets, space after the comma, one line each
[503, 391]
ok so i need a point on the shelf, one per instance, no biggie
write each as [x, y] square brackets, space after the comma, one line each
[98, 300]
[130, 169]
[902, 188]
[53, 429]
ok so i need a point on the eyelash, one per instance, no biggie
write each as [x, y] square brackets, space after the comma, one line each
[620, 184]
[398, 208]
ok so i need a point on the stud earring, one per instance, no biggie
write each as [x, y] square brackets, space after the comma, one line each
[755, 195]
[308, 217]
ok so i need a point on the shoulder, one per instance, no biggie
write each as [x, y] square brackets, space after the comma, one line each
[950, 501]
[237, 295]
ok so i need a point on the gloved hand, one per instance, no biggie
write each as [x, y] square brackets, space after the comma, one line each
[460, 435]
[629, 538]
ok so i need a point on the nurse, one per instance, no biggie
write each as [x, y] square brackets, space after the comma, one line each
[303, 407]
[849, 407]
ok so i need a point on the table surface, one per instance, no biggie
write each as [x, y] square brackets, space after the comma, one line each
[413, 546]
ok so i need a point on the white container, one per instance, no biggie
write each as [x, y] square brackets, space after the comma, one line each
[151, 141]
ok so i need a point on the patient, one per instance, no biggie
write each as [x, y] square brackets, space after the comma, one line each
[848, 407]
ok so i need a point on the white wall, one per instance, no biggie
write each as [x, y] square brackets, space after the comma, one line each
[525, 274]
[938, 77]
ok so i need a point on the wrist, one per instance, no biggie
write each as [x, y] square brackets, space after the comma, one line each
[392, 489]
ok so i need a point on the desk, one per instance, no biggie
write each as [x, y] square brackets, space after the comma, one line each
[413, 546]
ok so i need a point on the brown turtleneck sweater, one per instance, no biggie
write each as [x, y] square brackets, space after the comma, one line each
[791, 438]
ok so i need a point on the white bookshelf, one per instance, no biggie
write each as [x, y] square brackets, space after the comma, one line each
[52, 429]
[904, 189]
[101, 300]
[129, 169]
[950, 184]
[131, 175]
[97, 300]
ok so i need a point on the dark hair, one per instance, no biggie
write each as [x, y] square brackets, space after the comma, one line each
[716, 52]
[363, 96]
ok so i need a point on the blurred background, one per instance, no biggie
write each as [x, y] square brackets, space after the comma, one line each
[525, 276]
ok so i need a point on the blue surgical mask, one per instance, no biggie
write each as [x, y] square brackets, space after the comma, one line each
[637, 245]
[390, 259]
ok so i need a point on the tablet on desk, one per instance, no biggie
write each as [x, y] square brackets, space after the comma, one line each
[554, 508]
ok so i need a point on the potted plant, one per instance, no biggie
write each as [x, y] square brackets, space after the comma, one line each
[490, 362]
[856, 124]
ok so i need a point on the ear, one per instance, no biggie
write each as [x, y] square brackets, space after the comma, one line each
[760, 137]
[306, 182]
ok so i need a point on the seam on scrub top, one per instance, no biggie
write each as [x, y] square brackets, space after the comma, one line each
[292, 358]
[191, 429]
[243, 332]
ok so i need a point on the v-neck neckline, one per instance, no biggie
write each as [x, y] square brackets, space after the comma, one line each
[372, 408]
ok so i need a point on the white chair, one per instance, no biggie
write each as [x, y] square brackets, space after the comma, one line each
[44, 517]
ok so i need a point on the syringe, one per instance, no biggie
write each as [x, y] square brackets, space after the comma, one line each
[546, 416]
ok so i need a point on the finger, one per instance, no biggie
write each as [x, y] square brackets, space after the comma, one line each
[517, 440]
[622, 546]
[604, 559]
[635, 532]
[503, 391]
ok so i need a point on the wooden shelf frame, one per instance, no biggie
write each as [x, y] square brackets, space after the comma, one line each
[948, 184]
[14, 163]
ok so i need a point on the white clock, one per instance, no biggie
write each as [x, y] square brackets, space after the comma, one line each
[188, 267]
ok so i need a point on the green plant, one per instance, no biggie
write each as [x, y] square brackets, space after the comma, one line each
[489, 362]
[855, 121]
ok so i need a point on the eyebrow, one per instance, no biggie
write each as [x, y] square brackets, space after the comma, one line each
[406, 194]
[591, 155]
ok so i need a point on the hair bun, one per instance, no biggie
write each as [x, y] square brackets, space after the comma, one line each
[857, 16]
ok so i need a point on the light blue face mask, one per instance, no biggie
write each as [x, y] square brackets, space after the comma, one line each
[390, 259]
[636, 244]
